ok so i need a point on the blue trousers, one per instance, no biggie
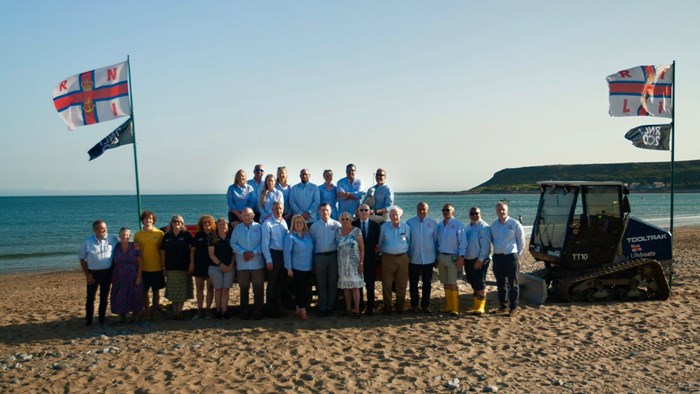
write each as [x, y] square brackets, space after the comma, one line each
[416, 271]
[505, 269]
[326, 271]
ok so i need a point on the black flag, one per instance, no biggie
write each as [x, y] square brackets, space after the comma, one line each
[650, 136]
[122, 135]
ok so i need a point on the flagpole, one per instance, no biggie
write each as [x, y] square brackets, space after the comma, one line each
[133, 130]
[673, 162]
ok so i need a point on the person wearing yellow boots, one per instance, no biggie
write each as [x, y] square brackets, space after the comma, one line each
[452, 246]
[477, 259]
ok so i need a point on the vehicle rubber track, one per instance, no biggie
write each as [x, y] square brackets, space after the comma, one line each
[662, 293]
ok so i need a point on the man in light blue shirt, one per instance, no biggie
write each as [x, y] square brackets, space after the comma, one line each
[323, 233]
[350, 191]
[452, 246]
[257, 183]
[508, 241]
[422, 256]
[305, 198]
[477, 259]
[394, 242]
[246, 242]
[96, 261]
[383, 195]
[274, 231]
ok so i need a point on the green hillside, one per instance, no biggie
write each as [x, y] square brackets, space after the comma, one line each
[640, 176]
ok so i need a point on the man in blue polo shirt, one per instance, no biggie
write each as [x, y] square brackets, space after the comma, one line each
[96, 261]
[508, 242]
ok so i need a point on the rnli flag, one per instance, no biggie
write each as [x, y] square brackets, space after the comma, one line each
[651, 136]
[93, 96]
[122, 135]
[641, 91]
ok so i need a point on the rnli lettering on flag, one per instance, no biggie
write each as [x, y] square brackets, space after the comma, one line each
[651, 136]
[93, 96]
[641, 91]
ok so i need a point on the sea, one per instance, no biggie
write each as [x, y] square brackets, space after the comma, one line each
[43, 233]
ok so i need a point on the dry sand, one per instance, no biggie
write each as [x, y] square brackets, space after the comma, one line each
[616, 347]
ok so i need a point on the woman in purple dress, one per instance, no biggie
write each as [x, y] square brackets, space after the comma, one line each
[127, 289]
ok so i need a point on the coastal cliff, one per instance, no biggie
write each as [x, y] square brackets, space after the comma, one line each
[651, 177]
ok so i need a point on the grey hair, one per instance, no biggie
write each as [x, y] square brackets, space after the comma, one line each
[397, 209]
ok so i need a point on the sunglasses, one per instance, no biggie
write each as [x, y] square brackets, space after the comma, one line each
[474, 213]
[445, 210]
[382, 175]
[364, 210]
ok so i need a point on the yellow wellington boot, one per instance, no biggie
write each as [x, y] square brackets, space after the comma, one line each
[448, 302]
[479, 306]
[455, 303]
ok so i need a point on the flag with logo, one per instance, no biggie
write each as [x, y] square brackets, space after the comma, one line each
[642, 91]
[93, 96]
[654, 137]
[122, 135]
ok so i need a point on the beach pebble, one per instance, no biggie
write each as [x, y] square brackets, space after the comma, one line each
[178, 346]
[24, 357]
[60, 366]
[308, 377]
[10, 360]
[104, 337]
[490, 389]
[452, 384]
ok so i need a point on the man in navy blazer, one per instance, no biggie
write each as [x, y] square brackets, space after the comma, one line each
[370, 234]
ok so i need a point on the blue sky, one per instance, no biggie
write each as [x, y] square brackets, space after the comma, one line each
[440, 94]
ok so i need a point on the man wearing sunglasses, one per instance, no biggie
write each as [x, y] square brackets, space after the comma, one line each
[257, 182]
[370, 235]
[383, 197]
[477, 259]
[452, 246]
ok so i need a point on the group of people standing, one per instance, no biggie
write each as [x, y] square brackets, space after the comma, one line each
[284, 233]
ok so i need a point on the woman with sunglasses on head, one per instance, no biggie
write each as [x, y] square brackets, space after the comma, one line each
[175, 251]
[351, 252]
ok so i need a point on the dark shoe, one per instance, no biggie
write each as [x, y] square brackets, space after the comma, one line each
[415, 309]
[514, 312]
[426, 310]
[245, 316]
[502, 311]
[257, 315]
[387, 312]
[369, 312]
[355, 315]
[226, 315]
[217, 315]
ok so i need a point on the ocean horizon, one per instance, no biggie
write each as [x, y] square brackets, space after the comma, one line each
[43, 233]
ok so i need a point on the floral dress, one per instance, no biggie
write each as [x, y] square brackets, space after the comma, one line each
[349, 260]
[126, 295]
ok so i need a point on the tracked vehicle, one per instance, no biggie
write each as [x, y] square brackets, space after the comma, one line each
[593, 250]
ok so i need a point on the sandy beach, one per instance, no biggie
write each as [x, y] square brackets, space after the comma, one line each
[616, 347]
